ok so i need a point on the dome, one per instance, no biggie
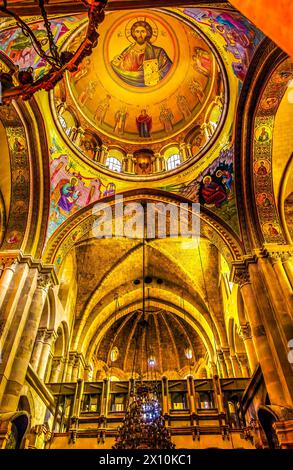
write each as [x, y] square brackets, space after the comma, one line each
[152, 83]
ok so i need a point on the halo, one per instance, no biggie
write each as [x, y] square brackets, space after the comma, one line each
[207, 178]
[147, 20]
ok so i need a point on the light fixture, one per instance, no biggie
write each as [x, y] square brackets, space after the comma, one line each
[188, 353]
[152, 361]
[114, 354]
[20, 83]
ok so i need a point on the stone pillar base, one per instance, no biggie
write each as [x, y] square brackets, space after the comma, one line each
[284, 432]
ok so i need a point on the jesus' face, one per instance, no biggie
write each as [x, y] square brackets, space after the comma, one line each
[140, 35]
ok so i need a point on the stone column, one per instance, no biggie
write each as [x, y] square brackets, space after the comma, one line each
[70, 362]
[236, 366]
[24, 351]
[244, 364]
[7, 270]
[222, 364]
[49, 338]
[277, 262]
[38, 348]
[275, 280]
[56, 370]
[227, 359]
[260, 340]
[288, 266]
[13, 294]
[76, 368]
[246, 335]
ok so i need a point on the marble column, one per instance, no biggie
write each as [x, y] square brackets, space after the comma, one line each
[49, 338]
[25, 345]
[38, 348]
[260, 340]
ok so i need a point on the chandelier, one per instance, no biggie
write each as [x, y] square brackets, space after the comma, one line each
[20, 83]
[143, 426]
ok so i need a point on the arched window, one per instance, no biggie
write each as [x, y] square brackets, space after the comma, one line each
[64, 125]
[173, 162]
[114, 164]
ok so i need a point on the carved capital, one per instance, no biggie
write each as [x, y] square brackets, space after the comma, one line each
[50, 336]
[44, 281]
[241, 276]
[7, 262]
[242, 358]
[245, 331]
[40, 334]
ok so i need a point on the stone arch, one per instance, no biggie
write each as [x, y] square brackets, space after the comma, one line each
[211, 227]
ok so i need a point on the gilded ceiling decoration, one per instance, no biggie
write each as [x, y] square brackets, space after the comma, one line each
[264, 121]
[150, 78]
[181, 98]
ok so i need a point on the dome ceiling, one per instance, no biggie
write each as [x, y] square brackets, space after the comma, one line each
[150, 78]
[166, 343]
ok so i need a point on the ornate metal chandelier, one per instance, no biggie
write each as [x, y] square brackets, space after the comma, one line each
[143, 425]
[16, 84]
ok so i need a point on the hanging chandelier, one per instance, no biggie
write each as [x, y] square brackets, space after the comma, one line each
[143, 426]
[20, 83]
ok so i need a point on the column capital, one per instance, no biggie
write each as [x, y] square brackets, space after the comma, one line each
[44, 281]
[245, 331]
[242, 358]
[41, 334]
[7, 262]
[50, 336]
[240, 275]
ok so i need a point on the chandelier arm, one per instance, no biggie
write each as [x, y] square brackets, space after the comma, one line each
[29, 33]
[96, 15]
[47, 24]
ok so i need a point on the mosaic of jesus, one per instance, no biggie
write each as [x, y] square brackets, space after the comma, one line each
[142, 64]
